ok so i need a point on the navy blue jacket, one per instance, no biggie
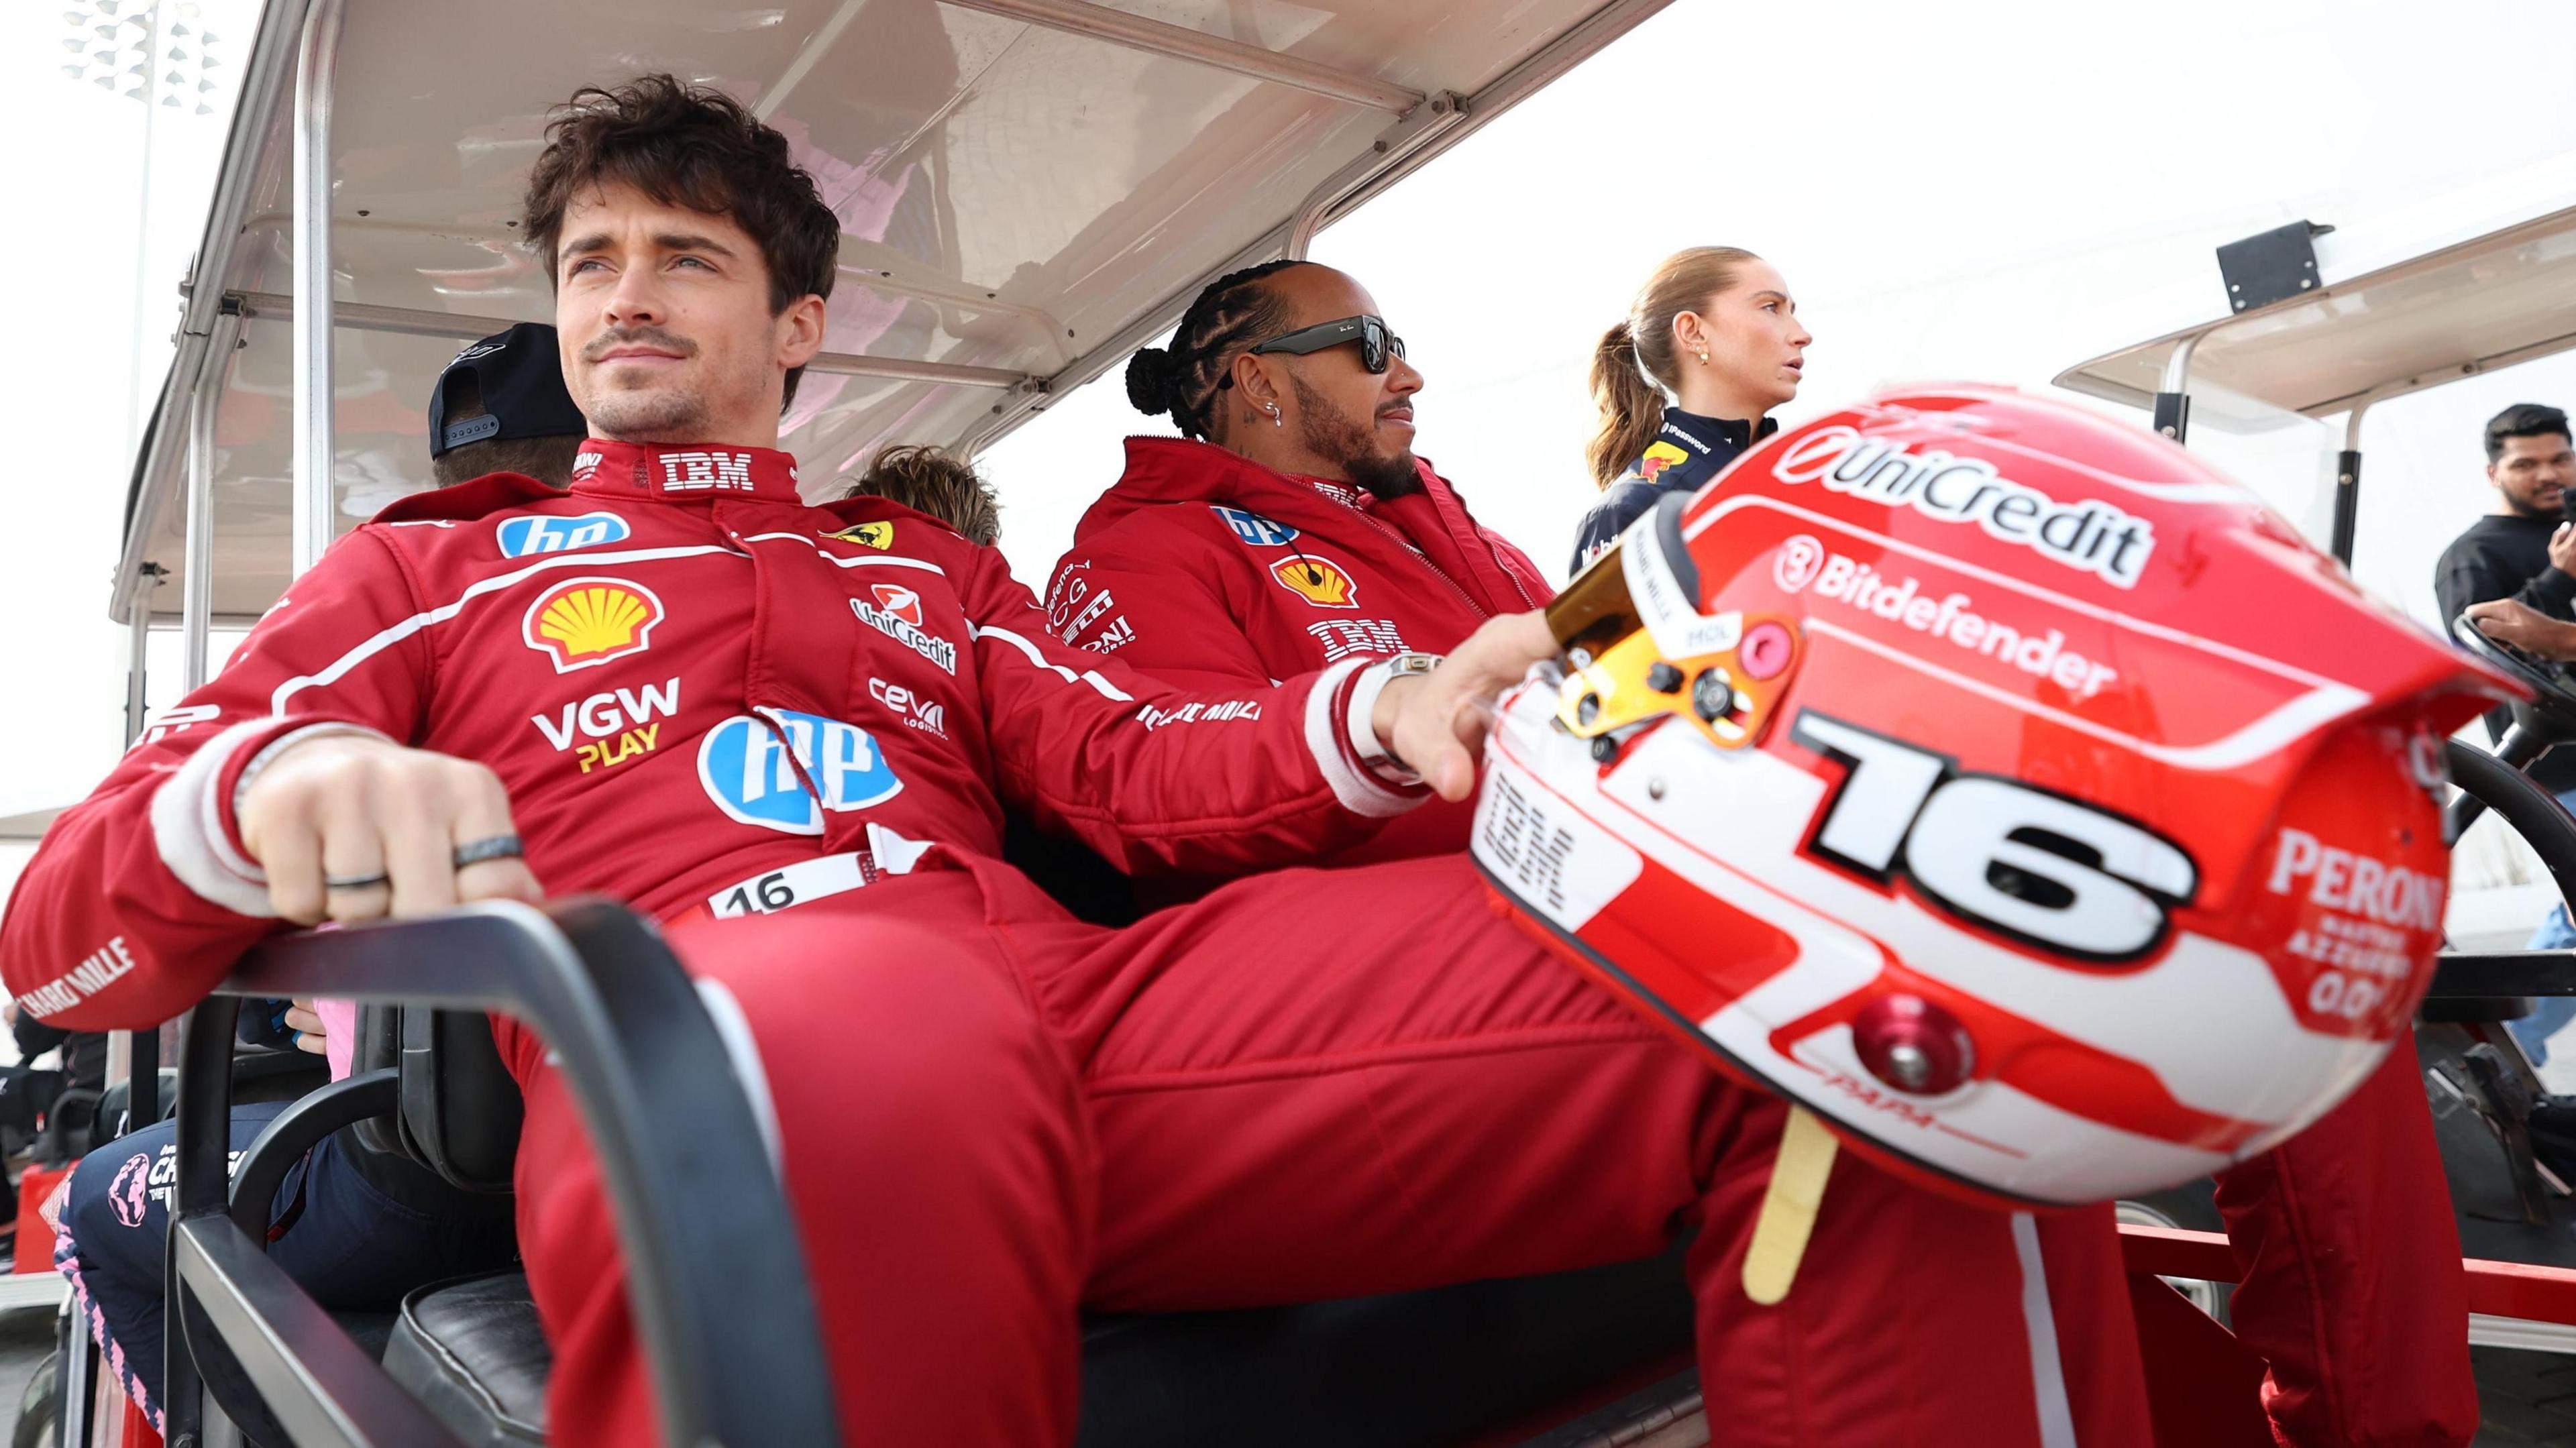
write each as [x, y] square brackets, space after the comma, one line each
[1688, 450]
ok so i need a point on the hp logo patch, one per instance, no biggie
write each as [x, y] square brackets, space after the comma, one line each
[749, 769]
[532, 533]
[1253, 528]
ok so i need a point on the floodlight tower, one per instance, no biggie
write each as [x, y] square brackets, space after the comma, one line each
[144, 50]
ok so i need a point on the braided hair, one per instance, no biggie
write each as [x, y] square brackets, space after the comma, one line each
[1182, 380]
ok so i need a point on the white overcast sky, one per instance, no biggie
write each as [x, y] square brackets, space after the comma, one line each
[1977, 190]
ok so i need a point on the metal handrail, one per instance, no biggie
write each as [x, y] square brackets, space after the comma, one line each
[297, 1130]
[714, 1266]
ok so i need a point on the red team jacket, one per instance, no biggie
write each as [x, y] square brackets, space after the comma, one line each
[701, 694]
[1206, 569]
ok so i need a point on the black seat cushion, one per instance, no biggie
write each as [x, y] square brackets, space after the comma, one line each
[473, 1352]
[1418, 1368]
[1436, 1367]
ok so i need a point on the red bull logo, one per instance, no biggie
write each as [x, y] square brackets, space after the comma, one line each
[1659, 456]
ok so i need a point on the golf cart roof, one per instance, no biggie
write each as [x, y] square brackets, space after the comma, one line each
[2439, 291]
[1028, 189]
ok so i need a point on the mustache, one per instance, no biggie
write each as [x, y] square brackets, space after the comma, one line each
[616, 337]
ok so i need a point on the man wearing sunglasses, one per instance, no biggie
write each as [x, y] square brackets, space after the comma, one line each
[1290, 526]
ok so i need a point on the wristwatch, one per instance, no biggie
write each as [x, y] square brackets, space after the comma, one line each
[1374, 756]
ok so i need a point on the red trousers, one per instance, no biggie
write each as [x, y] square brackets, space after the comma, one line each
[1310, 1084]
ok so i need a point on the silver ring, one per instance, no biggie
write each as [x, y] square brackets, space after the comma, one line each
[353, 882]
[495, 847]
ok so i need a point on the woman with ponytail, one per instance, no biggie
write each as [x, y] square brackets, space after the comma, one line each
[1686, 381]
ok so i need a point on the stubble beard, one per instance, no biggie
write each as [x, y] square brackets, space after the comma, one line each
[1333, 434]
[649, 416]
[2524, 507]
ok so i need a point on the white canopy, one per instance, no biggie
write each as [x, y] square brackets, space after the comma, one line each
[2456, 286]
[1029, 189]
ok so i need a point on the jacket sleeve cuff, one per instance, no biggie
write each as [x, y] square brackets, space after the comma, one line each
[1329, 739]
[194, 828]
[1360, 727]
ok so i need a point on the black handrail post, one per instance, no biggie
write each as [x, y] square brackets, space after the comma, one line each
[711, 1244]
[203, 1188]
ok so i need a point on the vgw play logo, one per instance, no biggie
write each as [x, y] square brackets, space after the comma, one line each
[750, 765]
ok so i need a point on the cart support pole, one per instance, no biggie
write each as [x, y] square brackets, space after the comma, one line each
[197, 576]
[316, 63]
[138, 638]
[2347, 495]
[2173, 403]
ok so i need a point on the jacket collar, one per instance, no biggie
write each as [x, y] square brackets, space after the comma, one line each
[686, 473]
[1184, 470]
[1167, 470]
[1704, 434]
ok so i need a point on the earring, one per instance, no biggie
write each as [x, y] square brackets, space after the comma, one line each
[1703, 356]
[1275, 419]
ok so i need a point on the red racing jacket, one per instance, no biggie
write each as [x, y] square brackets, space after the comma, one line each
[701, 695]
[1206, 569]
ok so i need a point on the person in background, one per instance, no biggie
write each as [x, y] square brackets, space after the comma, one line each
[1686, 382]
[501, 407]
[931, 480]
[2524, 552]
[353, 1227]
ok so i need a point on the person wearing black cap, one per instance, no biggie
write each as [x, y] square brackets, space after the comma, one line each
[501, 407]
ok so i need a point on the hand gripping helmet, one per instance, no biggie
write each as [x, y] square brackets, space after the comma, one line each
[2000, 783]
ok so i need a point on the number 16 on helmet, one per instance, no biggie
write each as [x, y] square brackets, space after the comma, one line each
[2000, 783]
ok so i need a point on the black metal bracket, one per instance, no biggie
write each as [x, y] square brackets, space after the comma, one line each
[2462, 976]
[2271, 266]
[714, 1265]
[2173, 415]
[2347, 505]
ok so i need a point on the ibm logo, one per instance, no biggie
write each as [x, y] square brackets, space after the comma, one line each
[1343, 637]
[689, 472]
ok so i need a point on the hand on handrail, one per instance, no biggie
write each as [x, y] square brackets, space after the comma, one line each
[352, 826]
[2526, 628]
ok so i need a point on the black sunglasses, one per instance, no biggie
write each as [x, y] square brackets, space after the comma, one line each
[1376, 342]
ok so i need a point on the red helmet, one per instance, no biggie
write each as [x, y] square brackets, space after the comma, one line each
[2000, 783]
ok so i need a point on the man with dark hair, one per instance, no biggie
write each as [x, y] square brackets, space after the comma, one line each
[1312, 1083]
[501, 407]
[1291, 526]
[2524, 551]
[667, 143]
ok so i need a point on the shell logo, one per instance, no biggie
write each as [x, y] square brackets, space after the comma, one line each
[584, 621]
[1316, 580]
